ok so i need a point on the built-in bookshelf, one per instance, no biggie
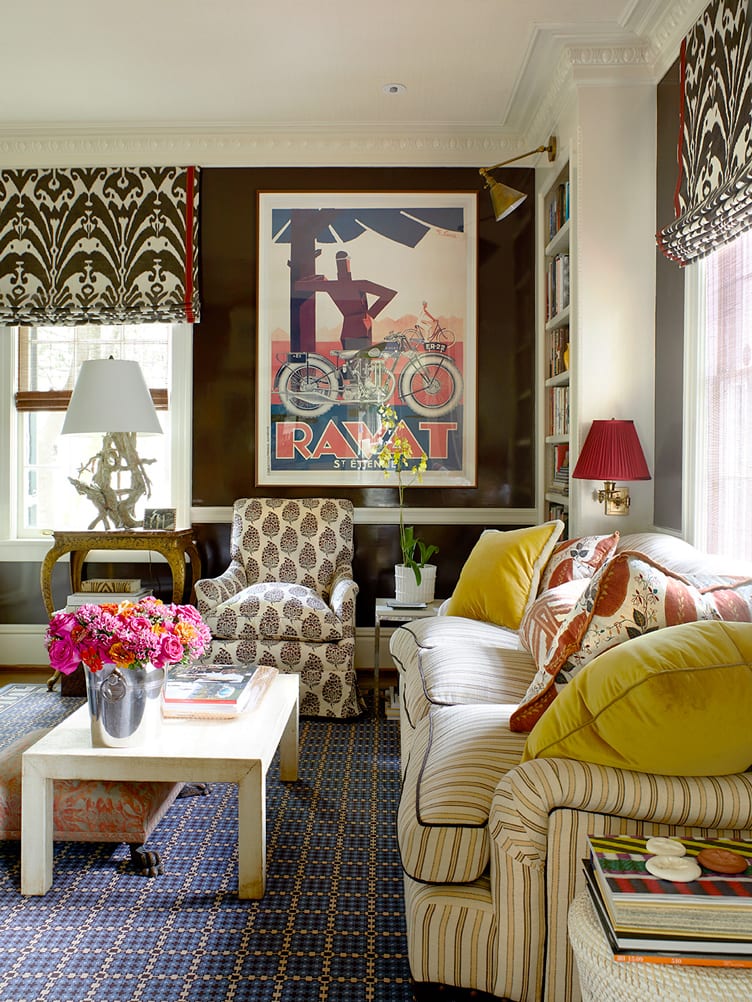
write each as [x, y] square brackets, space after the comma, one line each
[555, 340]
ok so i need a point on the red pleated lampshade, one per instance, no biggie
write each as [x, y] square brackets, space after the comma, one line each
[612, 451]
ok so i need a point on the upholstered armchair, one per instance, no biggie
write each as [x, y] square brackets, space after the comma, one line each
[288, 598]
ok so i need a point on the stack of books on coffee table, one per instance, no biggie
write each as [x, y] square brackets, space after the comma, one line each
[215, 691]
[705, 920]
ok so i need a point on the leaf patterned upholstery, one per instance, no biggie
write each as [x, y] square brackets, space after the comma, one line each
[287, 597]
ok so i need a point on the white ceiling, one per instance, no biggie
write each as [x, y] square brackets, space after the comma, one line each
[482, 69]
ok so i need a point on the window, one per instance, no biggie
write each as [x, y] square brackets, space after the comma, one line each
[40, 364]
[719, 411]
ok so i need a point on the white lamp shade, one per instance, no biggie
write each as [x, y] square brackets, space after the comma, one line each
[110, 395]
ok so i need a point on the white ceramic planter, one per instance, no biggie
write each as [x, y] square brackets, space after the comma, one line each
[407, 590]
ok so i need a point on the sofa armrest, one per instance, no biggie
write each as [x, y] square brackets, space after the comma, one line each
[541, 815]
[342, 600]
[527, 795]
[211, 591]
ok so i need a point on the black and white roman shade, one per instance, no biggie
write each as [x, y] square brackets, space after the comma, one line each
[99, 245]
[713, 199]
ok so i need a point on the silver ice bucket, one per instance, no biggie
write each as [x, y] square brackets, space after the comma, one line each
[125, 708]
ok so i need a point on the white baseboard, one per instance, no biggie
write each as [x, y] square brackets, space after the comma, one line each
[24, 645]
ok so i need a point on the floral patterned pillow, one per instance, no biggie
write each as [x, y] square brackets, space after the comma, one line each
[631, 595]
[541, 622]
[577, 559]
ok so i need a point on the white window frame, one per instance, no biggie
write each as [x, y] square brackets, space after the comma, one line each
[697, 416]
[695, 404]
[13, 548]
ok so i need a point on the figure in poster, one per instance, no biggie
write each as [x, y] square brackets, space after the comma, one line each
[350, 296]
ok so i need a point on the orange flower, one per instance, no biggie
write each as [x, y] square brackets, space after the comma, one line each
[120, 655]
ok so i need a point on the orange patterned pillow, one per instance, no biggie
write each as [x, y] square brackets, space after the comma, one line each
[731, 600]
[631, 595]
[578, 559]
[541, 622]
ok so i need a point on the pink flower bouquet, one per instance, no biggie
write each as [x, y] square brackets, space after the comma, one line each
[129, 635]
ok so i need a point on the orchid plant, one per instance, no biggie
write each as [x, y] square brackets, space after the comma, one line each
[129, 635]
[396, 456]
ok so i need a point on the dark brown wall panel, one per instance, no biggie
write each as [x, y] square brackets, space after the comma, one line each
[225, 351]
[224, 377]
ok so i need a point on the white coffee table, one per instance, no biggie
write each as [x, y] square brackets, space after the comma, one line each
[203, 751]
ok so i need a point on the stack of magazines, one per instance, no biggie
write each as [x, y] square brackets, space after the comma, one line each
[215, 691]
[706, 920]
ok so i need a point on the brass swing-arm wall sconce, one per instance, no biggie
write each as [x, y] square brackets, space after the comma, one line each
[503, 198]
[612, 451]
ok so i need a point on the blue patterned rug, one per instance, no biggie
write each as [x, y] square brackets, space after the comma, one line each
[330, 927]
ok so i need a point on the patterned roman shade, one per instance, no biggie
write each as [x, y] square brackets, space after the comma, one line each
[713, 199]
[99, 245]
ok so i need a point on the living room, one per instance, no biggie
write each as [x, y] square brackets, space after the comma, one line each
[600, 103]
[602, 80]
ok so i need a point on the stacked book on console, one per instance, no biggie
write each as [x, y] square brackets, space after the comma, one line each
[215, 690]
[77, 598]
[97, 591]
[704, 921]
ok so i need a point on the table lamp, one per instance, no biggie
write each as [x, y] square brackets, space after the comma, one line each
[111, 396]
[612, 452]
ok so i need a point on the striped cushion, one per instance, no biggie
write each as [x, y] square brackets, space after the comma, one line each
[452, 936]
[457, 757]
[451, 661]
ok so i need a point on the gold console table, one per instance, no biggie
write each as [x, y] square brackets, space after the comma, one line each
[174, 545]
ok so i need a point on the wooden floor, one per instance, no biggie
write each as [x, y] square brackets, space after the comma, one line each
[24, 673]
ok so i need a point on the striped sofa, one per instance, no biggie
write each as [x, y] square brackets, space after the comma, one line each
[491, 847]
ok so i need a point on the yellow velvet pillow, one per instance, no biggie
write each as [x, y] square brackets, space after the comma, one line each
[673, 702]
[500, 577]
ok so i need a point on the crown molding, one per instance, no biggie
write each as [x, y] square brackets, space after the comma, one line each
[232, 146]
[675, 20]
[658, 27]
[655, 29]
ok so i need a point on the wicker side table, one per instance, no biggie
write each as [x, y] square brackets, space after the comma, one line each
[604, 979]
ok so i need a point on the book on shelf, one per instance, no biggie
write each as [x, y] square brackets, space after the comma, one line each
[558, 480]
[714, 904]
[561, 512]
[111, 585]
[215, 691]
[558, 342]
[665, 949]
[79, 598]
[557, 285]
[558, 209]
[558, 410]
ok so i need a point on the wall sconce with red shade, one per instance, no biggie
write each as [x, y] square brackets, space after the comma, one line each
[612, 452]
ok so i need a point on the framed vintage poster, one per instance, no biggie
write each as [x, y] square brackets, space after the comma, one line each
[366, 301]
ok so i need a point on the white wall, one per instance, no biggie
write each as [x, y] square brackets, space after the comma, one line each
[608, 130]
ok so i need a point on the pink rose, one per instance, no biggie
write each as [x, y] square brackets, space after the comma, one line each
[171, 649]
[64, 656]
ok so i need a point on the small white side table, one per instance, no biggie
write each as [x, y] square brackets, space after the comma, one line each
[604, 979]
[387, 611]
